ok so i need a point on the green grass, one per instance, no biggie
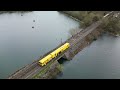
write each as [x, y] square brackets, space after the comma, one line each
[38, 75]
[60, 67]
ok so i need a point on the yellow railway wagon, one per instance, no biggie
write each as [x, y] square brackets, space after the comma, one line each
[54, 54]
[45, 60]
[65, 46]
[60, 50]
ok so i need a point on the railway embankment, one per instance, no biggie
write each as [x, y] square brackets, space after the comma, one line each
[87, 40]
[77, 43]
[54, 68]
[49, 72]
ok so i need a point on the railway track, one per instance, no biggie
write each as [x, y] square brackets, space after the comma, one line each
[20, 73]
[31, 69]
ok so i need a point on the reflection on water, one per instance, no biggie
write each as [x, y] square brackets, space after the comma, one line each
[20, 44]
[100, 60]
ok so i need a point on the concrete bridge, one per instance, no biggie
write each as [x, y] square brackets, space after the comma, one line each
[77, 43]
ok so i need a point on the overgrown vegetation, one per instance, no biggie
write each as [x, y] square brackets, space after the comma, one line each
[87, 17]
[111, 25]
[49, 72]
[38, 75]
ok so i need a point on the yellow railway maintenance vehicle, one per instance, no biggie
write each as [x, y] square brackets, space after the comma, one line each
[54, 54]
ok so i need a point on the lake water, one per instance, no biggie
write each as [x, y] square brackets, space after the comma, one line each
[20, 44]
[22, 40]
[100, 60]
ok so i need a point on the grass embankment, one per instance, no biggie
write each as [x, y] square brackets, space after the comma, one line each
[46, 69]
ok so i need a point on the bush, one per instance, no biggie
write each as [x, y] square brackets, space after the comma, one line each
[88, 17]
